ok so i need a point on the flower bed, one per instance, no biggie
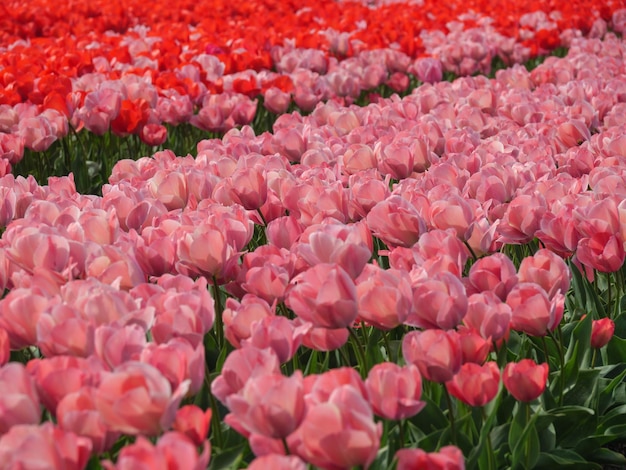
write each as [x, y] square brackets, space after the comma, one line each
[433, 281]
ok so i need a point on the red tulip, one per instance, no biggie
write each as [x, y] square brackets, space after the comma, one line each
[601, 332]
[525, 380]
[474, 384]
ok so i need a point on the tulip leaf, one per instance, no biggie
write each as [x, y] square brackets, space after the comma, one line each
[578, 286]
[609, 457]
[563, 458]
[605, 400]
[229, 458]
[582, 393]
[616, 350]
[430, 418]
[526, 448]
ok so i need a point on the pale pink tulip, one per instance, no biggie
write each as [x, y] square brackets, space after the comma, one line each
[436, 353]
[394, 392]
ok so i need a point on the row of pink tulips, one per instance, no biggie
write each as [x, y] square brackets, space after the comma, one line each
[103, 306]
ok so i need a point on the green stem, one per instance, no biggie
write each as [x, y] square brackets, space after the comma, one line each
[593, 358]
[450, 414]
[215, 416]
[491, 458]
[387, 344]
[358, 348]
[527, 443]
[559, 346]
[219, 327]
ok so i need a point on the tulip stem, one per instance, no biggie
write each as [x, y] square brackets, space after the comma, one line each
[527, 444]
[216, 426]
[401, 425]
[450, 414]
[286, 446]
[490, 457]
[387, 345]
[559, 346]
[593, 358]
[219, 328]
[358, 348]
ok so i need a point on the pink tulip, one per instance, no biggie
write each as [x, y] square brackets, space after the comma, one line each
[439, 302]
[284, 231]
[436, 353]
[428, 70]
[396, 222]
[178, 361]
[385, 296]
[249, 187]
[239, 317]
[277, 462]
[546, 269]
[525, 380]
[533, 312]
[522, 217]
[116, 344]
[325, 339]
[324, 295]
[19, 401]
[193, 422]
[488, 315]
[341, 432]
[5, 347]
[271, 405]
[474, 384]
[241, 365]
[59, 376]
[602, 251]
[268, 282]
[45, 446]
[495, 273]
[173, 451]
[318, 388]
[77, 413]
[474, 347]
[137, 399]
[170, 188]
[448, 458]
[394, 392]
[278, 333]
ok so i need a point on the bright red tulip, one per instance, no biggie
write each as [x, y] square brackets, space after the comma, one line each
[601, 332]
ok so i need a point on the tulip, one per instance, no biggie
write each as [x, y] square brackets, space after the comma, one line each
[525, 380]
[436, 353]
[19, 401]
[271, 405]
[277, 462]
[601, 332]
[394, 392]
[448, 458]
[193, 422]
[474, 384]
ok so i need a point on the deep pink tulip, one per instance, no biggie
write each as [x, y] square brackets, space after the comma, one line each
[436, 353]
[601, 332]
[45, 446]
[341, 432]
[522, 217]
[319, 387]
[324, 295]
[394, 392]
[5, 347]
[474, 347]
[525, 380]
[448, 458]
[474, 384]
[271, 405]
[602, 251]
[137, 399]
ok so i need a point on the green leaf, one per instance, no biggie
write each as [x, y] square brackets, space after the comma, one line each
[582, 392]
[616, 350]
[562, 458]
[526, 449]
[430, 418]
[609, 457]
[605, 400]
[229, 458]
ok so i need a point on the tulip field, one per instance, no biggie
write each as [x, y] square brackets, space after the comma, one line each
[331, 234]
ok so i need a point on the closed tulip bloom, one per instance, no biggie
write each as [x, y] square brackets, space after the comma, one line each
[396, 222]
[474, 384]
[495, 273]
[439, 302]
[319, 388]
[533, 312]
[525, 380]
[546, 269]
[271, 405]
[601, 332]
[436, 353]
[488, 315]
[324, 295]
[280, 334]
[448, 458]
[340, 433]
[474, 347]
[385, 296]
[394, 392]
[193, 422]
